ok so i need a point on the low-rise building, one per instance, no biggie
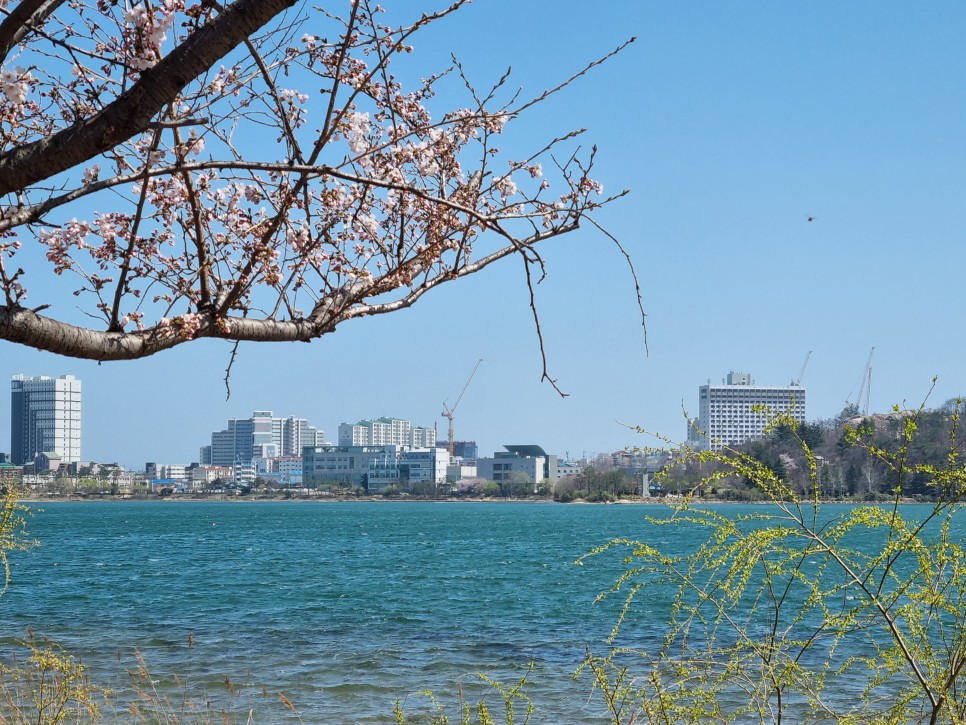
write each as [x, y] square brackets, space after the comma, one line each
[203, 476]
[288, 470]
[567, 468]
[166, 471]
[47, 461]
[244, 474]
[520, 460]
[403, 467]
[348, 465]
[459, 471]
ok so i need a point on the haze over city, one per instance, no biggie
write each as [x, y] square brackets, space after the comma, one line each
[732, 126]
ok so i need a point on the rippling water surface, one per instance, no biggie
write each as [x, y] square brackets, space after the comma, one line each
[343, 607]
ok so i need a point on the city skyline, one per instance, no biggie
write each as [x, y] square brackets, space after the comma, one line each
[485, 449]
[732, 126]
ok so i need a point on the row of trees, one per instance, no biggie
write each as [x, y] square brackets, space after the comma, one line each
[598, 484]
[591, 484]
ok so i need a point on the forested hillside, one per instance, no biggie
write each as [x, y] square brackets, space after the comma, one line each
[861, 457]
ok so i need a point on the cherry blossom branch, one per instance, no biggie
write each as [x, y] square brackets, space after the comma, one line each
[330, 120]
[231, 361]
[18, 324]
[383, 201]
[232, 297]
[14, 217]
[133, 110]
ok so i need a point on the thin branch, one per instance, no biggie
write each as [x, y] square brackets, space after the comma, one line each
[630, 266]
[231, 361]
[586, 69]
[114, 323]
[201, 250]
[536, 323]
[363, 310]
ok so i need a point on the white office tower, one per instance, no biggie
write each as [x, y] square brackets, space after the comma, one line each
[738, 411]
[45, 417]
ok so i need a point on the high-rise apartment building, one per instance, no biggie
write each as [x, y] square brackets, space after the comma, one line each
[45, 417]
[261, 436]
[386, 432]
[738, 411]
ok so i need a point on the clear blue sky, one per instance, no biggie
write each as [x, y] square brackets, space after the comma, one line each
[731, 123]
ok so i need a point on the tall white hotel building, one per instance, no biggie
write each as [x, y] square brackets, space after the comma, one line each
[45, 417]
[727, 414]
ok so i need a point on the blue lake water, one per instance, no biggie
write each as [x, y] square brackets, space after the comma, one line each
[342, 607]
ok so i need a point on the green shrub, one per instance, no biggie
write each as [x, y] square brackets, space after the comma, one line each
[795, 613]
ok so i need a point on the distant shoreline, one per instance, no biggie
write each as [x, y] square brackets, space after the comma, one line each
[311, 499]
[188, 499]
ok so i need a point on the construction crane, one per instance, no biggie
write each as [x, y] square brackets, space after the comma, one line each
[449, 412]
[865, 387]
[867, 382]
[801, 373]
